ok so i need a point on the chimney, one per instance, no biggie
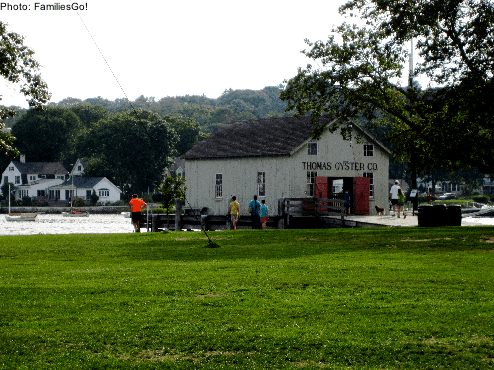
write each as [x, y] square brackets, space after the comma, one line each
[23, 158]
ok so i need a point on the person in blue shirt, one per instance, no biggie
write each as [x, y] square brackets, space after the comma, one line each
[264, 216]
[255, 207]
[346, 197]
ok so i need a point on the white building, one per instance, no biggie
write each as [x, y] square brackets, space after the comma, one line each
[50, 181]
[82, 187]
[31, 179]
[276, 158]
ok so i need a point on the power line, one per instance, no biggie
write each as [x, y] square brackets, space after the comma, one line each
[210, 242]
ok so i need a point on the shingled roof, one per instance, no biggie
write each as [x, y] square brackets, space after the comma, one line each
[252, 138]
[81, 182]
[42, 168]
[261, 137]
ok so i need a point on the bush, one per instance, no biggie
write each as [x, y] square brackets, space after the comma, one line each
[27, 201]
[481, 198]
[79, 202]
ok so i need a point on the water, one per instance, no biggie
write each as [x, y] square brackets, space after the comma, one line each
[486, 221]
[57, 224]
[114, 224]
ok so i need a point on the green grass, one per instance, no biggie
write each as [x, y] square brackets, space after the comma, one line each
[388, 298]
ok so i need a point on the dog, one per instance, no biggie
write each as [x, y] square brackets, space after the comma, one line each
[380, 211]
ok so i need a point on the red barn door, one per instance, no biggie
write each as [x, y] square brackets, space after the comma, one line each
[361, 193]
[321, 187]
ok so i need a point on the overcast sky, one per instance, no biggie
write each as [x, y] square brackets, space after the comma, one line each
[166, 48]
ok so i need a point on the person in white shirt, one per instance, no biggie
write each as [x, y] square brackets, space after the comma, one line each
[393, 195]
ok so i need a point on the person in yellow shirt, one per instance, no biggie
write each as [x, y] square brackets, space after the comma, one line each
[136, 205]
[234, 211]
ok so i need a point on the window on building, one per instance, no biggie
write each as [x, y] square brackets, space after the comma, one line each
[17, 179]
[218, 188]
[24, 193]
[261, 184]
[312, 148]
[311, 180]
[69, 194]
[41, 193]
[11, 168]
[370, 175]
[368, 150]
[104, 193]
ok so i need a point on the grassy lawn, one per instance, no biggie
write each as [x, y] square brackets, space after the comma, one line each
[387, 298]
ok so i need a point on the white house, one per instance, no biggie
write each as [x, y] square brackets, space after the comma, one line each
[277, 158]
[82, 187]
[31, 179]
[50, 181]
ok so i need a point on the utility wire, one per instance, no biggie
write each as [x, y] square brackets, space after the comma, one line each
[210, 242]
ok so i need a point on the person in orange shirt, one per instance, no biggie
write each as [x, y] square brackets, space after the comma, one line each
[136, 205]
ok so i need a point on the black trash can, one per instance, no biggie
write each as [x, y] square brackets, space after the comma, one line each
[439, 215]
[453, 216]
[425, 216]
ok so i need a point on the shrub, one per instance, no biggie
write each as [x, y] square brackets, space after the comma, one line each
[27, 201]
[481, 198]
[79, 202]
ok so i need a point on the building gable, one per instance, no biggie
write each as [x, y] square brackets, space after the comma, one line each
[276, 136]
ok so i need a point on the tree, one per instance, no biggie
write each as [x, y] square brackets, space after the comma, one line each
[188, 133]
[88, 113]
[452, 125]
[94, 198]
[172, 188]
[48, 135]
[132, 149]
[17, 65]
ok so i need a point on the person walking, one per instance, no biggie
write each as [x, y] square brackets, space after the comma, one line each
[264, 215]
[136, 205]
[401, 203]
[393, 195]
[234, 211]
[255, 208]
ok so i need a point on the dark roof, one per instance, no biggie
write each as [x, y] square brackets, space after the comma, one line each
[43, 168]
[82, 182]
[260, 137]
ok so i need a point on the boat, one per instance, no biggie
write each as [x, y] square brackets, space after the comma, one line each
[75, 214]
[21, 217]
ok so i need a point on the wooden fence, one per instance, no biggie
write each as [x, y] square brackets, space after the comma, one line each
[292, 213]
[312, 207]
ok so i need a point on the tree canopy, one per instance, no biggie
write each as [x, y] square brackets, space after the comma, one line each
[131, 149]
[451, 125]
[48, 136]
[17, 65]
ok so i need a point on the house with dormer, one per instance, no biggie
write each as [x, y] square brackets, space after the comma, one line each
[51, 182]
[31, 179]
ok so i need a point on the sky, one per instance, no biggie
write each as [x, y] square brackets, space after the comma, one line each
[165, 48]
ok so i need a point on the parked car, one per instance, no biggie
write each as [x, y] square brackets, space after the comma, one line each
[447, 196]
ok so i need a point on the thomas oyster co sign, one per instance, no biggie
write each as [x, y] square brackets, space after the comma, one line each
[345, 165]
